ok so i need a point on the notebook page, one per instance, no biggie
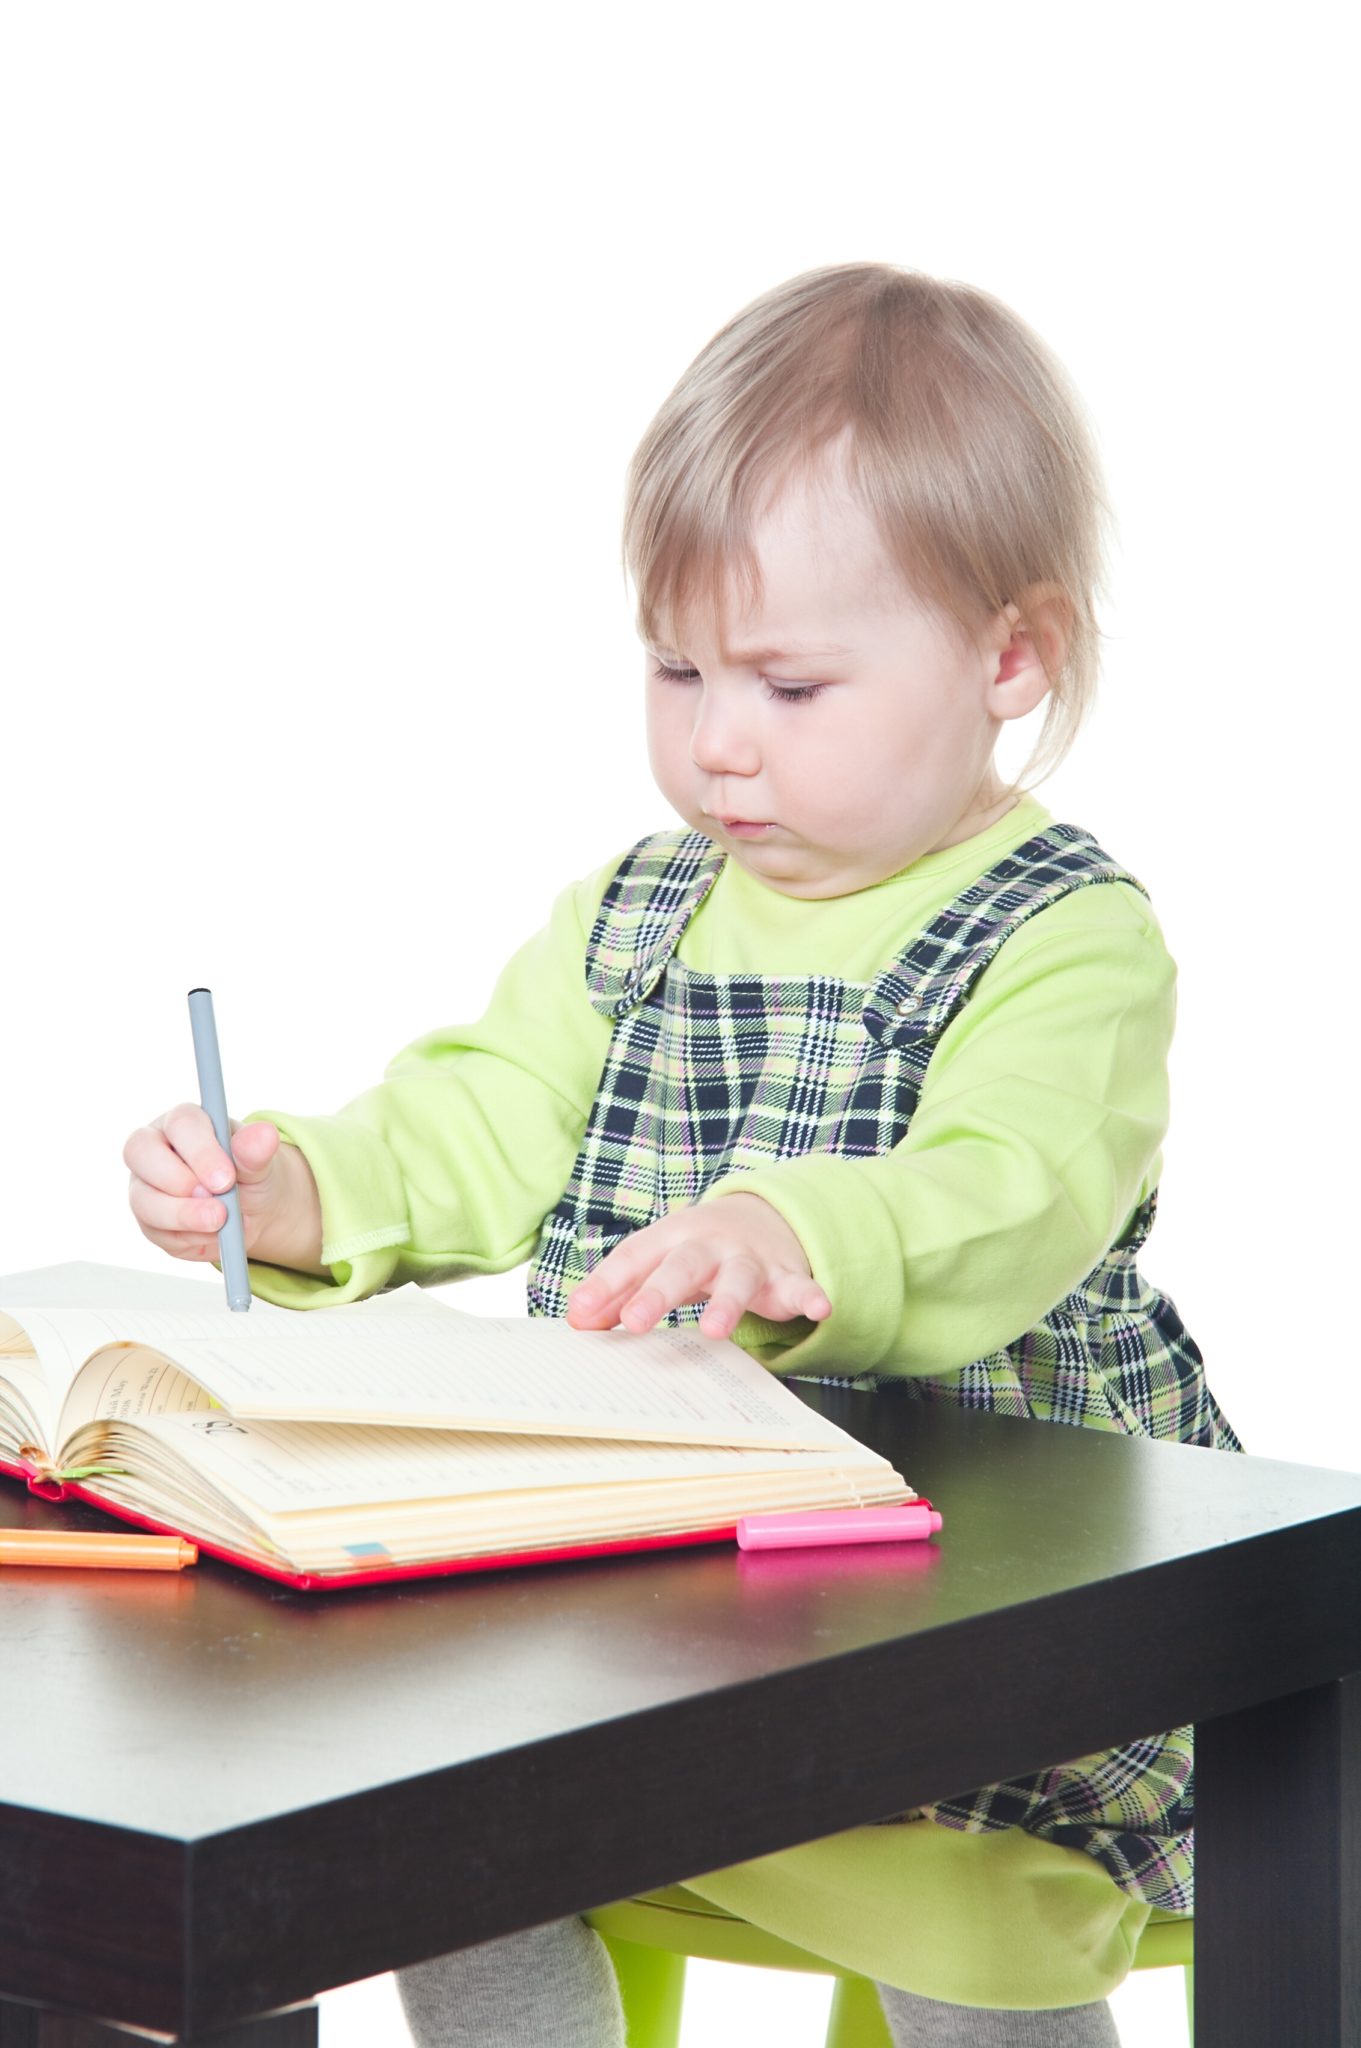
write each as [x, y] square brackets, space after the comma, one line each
[28, 1406]
[125, 1381]
[63, 1338]
[26, 1419]
[61, 1342]
[423, 1364]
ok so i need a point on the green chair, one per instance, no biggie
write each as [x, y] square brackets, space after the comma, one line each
[649, 1939]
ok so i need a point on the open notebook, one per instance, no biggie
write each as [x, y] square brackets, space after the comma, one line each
[400, 1436]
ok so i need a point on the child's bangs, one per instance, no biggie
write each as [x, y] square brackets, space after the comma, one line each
[688, 530]
[695, 568]
[690, 550]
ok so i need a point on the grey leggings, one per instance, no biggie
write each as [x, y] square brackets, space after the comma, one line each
[554, 1988]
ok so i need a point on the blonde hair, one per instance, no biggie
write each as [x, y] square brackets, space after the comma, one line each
[966, 443]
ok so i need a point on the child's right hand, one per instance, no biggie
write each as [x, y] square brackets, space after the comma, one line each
[178, 1169]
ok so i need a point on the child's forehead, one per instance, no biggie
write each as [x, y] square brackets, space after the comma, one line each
[816, 532]
[815, 569]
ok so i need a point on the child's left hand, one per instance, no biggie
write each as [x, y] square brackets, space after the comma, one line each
[738, 1252]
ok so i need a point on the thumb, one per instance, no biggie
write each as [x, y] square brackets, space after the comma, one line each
[796, 1294]
[253, 1150]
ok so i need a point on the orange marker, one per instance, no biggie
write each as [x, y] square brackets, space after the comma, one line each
[95, 1552]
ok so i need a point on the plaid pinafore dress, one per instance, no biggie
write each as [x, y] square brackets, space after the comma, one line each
[710, 1075]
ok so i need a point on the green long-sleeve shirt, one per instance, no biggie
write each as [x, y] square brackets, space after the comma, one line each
[1035, 1138]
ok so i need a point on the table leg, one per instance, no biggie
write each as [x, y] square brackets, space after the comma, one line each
[31, 2026]
[1278, 1872]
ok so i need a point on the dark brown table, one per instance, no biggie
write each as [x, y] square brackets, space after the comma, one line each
[218, 1797]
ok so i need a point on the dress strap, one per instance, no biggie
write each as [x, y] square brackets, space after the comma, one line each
[915, 997]
[656, 890]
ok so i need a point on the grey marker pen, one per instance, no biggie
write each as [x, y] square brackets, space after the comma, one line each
[213, 1095]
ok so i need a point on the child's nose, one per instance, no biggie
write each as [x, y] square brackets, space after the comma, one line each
[722, 740]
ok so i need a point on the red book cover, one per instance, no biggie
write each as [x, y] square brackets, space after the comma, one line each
[365, 1575]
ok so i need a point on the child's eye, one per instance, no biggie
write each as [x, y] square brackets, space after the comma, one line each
[788, 693]
[783, 693]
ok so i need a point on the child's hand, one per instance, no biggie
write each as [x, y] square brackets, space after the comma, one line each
[178, 1169]
[738, 1252]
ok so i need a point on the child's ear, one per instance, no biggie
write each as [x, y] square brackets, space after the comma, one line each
[1032, 637]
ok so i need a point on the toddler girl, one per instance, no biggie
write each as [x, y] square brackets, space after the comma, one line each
[864, 1066]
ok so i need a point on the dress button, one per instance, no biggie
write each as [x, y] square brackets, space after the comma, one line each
[908, 1005]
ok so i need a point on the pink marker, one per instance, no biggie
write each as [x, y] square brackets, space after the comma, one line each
[912, 1521]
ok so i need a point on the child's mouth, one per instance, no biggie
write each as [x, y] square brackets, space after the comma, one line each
[744, 828]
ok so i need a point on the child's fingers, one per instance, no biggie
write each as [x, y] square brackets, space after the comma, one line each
[781, 1297]
[687, 1274]
[682, 1274]
[184, 1244]
[632, 1270]
[178, 1151]
[733, 1289]
[161, 1215]
[189, 1131]
[595, 1304]
[186, 1227]
[796, 1295]
[177, 1169]
[736, 1252]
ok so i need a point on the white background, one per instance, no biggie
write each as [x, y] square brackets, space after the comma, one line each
[328, 332]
